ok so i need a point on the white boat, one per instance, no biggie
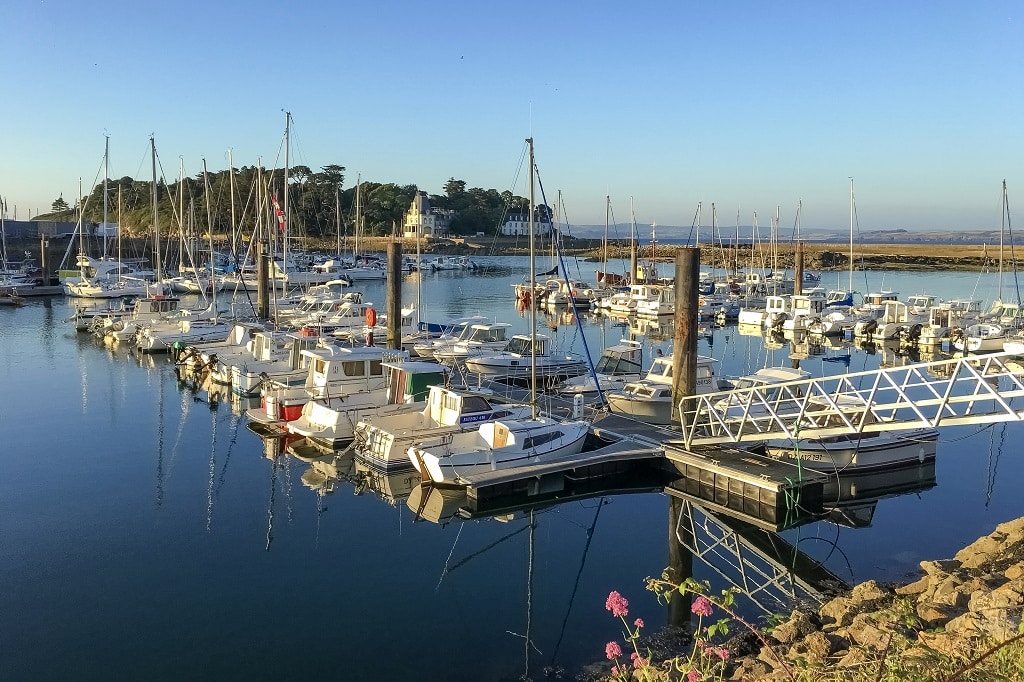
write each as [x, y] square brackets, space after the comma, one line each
[525, 357]
[445, 263]
[979, 337]
[509, 443]
[331, 372]
[661, 300]
[650, 399]
[426, 339]
[499, 445]
[122, 327]
[478, 339]
[334, 424]
[384, 440]
[618, 365]
[774, 392]
[860, 451]
[284, 365]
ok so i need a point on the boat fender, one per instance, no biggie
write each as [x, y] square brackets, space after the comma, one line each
[371, 317]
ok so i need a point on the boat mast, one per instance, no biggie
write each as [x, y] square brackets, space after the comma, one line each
[287, 145]
[1002, 226]
[851, 237]
[234, 225]
[607, 210]
[355, 237]
[533, 293]
[106, 174]
[156, 215]
[209, 229]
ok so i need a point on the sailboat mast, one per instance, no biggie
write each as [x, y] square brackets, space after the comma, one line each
[533, 292]
[607, 210]
[106, 174]
[234, 225]
[287, 216]
[851, 237]
[1002, 226]
[156, 214]
[209, 229]
[355, 238]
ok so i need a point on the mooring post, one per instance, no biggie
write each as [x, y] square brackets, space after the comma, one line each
[684, 343]
[798, 269]
[262, 282]
[394, 296]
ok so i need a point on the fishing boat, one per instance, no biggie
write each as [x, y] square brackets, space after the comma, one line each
[525, 356]
[384, 440]
[650, 399]
[499, 445]
[407, 384]
[618, 365]
[477, 339]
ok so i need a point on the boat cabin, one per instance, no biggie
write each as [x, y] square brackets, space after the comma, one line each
[623, 358]
[521, 345]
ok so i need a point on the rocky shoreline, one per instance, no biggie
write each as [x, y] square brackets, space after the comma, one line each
[959, 611]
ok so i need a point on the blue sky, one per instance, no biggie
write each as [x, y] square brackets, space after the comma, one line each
[750, 105]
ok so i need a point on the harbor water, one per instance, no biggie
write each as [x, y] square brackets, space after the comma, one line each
[146, 533]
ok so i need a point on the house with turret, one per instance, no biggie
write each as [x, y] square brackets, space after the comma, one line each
[424, 221]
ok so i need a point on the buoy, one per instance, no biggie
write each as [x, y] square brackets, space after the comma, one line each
[371, 317]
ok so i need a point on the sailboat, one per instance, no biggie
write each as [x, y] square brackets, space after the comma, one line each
[504, 443]
[991, 334]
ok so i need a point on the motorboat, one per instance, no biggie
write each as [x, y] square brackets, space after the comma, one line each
[650, 399]
[334, 424]
[617, 366]
[498, 445]
[526, 356]
[331, 371]
[384, 440]
[478, 339]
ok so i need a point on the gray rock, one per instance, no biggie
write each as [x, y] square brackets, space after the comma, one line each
[799, 625]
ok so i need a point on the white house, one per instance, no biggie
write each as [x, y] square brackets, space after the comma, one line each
[426, 222]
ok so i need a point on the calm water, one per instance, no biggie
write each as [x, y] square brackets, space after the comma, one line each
[145, 533]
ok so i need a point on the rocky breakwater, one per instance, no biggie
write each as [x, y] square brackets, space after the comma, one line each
[951, 620]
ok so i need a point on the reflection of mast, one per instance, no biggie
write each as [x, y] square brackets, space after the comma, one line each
[213, 465]
[160, 446]
[576, 584]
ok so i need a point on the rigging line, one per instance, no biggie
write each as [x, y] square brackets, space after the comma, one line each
[489, 547]
[576, 583]
[448, 560]
[529, 598]
[572, 300]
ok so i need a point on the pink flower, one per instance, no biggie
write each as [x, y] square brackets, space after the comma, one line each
[701, 606]
[693, 676]
[615, 670]
[638, 661]
[722, 653]
[612, 650]
[639, 622]
[617, 604]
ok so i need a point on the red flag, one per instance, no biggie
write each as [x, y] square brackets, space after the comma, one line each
[279, 213]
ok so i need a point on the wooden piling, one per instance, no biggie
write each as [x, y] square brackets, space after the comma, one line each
[684, 344]
[394, 295]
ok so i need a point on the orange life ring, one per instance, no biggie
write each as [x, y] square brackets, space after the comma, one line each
[371, 317]
[158, 297]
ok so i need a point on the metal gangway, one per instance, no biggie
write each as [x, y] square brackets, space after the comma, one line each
[769, 571]
[977, 389]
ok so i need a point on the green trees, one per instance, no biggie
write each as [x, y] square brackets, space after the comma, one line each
[314, 197]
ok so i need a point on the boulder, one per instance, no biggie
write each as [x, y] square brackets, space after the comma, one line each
[798, 626]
